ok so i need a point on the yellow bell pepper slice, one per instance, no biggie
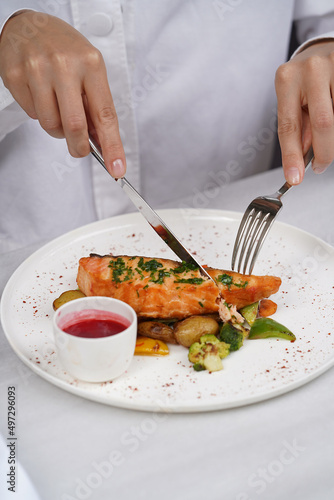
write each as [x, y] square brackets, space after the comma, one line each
[146, 346]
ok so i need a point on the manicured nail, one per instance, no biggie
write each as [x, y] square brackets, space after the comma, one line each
[293, 175]
[318, 169]
[118, 169]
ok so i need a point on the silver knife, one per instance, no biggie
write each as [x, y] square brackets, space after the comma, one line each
[152, 217]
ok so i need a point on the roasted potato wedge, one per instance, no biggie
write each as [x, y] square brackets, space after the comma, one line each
[66, 297]
[157, 330]
[191, 329]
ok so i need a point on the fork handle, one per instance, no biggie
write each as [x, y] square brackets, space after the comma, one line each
[286, 186]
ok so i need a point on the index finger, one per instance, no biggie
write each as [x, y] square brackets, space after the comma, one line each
[289, 128]
[322, 123]
[104, 117]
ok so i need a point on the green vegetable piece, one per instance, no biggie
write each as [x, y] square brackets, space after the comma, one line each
[250, 312]
[195, 354]
[208, 353]
[212, 362]
[232, 336]
[209, 338]
[198, 367]
[264, 328]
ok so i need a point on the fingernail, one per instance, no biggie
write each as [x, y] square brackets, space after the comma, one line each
[318, 169]
[118, 169]
[293, 175]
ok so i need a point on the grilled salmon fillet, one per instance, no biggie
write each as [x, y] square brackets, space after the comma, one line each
[162, 288]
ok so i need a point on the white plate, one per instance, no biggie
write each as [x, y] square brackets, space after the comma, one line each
[260, 370]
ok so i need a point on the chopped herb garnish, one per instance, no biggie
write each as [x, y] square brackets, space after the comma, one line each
[161, 276]
[193, 281]
[150, 265]
[227, 280]
[185, 267]
[201, 304]
[129, 274]
[154, 270]
[242, 284]
[120, 270]
[140, 272]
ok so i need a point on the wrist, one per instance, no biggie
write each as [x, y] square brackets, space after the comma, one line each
[12, 16]
[319, 40]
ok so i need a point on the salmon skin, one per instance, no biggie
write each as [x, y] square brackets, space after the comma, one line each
[163, 288]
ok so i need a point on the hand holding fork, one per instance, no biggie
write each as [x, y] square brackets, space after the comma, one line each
[256, 222]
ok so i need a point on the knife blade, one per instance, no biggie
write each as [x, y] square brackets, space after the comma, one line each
[156, 223]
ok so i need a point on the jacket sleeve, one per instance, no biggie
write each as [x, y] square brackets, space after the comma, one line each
[314, 21]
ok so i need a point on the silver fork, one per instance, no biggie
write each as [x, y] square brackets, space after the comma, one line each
[256, 222]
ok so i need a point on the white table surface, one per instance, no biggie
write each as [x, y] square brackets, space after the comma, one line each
[278, 449]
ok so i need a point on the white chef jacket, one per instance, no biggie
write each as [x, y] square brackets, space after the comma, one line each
[193, 85]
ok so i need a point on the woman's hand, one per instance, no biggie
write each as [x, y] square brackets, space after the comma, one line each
[60, 79]
[304, 88]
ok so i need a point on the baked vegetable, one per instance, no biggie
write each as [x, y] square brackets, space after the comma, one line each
[264, 328]
[232, 336]
[157, 330]
[267, 308]
[150, 347]
[67, 297]
[208, 353]
[191, 329]
[250, 312]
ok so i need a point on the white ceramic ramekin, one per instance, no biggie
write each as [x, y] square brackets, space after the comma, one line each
[95, 359]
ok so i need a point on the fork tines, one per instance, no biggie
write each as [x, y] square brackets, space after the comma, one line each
[256, 222]
[252, 232]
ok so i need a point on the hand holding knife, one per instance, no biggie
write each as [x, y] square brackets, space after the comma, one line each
[152, 217]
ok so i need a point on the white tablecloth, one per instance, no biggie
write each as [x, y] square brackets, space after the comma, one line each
[72, 448]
